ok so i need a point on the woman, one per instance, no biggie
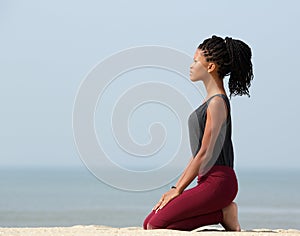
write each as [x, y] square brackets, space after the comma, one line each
[211, 201]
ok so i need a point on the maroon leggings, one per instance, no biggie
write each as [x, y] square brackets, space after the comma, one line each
[200, 205]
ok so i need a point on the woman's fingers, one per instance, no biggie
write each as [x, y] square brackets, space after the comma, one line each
[158, 204]
[161, 204]
[165, 202]
[165, 199]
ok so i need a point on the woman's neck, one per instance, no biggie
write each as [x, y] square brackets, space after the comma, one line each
[214, 86]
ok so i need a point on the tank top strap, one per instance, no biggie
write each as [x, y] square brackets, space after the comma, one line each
[226, 101]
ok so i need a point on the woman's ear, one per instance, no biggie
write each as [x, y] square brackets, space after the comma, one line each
[211, 67]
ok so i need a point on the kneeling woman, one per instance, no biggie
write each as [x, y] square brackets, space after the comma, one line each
[211, 200]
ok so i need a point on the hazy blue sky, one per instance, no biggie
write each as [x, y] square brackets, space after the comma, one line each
[47, 48]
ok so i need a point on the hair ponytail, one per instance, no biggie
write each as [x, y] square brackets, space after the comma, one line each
[241, 72]
[233, 58]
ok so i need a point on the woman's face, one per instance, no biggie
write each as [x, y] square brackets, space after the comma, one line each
[198, 69]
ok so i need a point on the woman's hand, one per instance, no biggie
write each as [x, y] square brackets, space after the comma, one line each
[166, 198]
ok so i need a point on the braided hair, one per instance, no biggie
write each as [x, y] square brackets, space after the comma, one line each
[233, 58]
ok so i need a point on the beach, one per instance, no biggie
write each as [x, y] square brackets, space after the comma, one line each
[92, 230]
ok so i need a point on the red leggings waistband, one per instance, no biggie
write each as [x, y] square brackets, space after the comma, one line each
[218, 170]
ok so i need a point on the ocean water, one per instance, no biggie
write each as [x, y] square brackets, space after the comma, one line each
[64, 197]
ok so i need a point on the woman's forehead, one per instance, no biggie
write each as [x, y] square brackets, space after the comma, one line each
[198, 53]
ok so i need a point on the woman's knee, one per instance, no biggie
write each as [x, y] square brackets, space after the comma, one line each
[149, 226]
[155, 221]
[145, 224]
[155, 224]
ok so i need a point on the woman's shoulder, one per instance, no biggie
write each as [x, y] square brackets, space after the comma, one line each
[217, 100]
[219, 105]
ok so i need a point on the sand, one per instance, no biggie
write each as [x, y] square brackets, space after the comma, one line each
[94, 230]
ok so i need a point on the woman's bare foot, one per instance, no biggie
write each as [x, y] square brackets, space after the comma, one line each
[230, 218]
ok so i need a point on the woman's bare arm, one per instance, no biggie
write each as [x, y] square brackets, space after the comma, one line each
[186, 169]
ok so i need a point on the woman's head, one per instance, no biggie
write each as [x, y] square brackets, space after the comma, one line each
[229, 57]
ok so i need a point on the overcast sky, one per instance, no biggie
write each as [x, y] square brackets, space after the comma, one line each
[48, 47]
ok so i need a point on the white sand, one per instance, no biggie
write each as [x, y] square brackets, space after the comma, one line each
[94, 230]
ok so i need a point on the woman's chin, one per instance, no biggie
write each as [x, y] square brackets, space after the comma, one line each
[192, 79]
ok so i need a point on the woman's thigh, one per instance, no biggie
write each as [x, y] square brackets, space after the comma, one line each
[211, 194]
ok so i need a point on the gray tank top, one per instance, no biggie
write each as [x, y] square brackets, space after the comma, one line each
[223, 149]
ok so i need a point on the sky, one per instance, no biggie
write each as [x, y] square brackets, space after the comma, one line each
[47, 48]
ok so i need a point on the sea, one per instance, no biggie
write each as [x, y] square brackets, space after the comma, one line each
[49, 197]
